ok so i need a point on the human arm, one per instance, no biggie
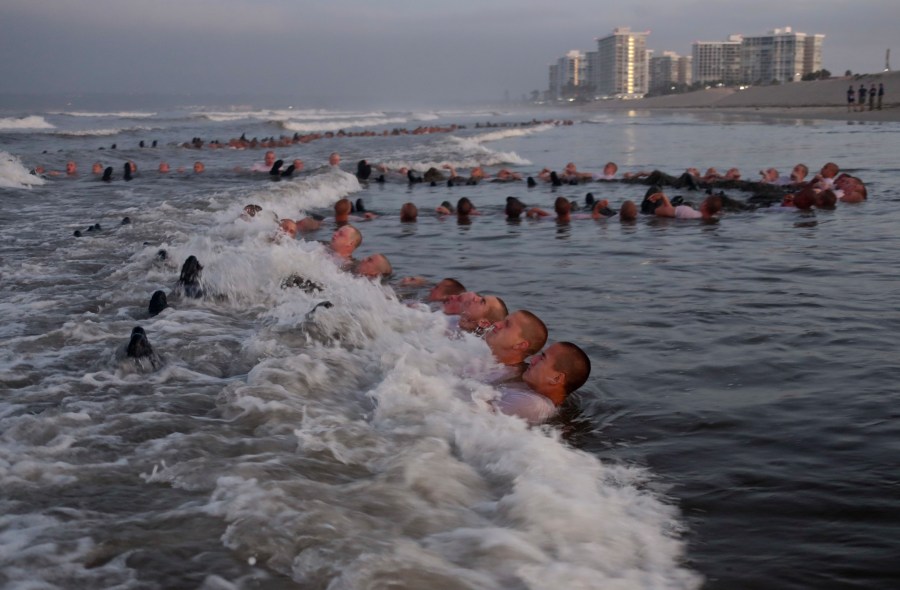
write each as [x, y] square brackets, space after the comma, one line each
[665, 208]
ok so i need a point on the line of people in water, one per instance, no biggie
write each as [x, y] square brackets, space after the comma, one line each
[770, 188]
[535, 380]
[533, 390]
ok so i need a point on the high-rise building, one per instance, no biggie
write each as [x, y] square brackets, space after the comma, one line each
[717, 62]
[781, 55]
[663, 72]
[812, 56]
[554, 87]
[685, 74]
[621, 67]
[568, 75]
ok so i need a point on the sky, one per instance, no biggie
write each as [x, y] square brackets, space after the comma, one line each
[385, 53]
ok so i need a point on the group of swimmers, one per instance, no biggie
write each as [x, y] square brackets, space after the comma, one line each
[824, 190]
[538, 387]
[512, 338]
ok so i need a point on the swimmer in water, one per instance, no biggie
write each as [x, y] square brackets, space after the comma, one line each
[189, 280]
[477, 311]
[374, 267]
[409, 213]
[550, 376]
[345, 240]
[140, 351]
[516, 337]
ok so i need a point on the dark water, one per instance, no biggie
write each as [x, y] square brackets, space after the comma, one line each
[747, 366]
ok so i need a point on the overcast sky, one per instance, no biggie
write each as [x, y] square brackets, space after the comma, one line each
[399, 53]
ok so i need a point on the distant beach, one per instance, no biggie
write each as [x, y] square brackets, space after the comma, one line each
[820, 99]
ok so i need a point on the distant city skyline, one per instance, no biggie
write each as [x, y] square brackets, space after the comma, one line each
[396, 53]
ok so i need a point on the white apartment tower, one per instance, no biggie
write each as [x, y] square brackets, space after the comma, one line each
[717, 61]
[664, 71]
[780, 55]
[620, 68]
[567, 74]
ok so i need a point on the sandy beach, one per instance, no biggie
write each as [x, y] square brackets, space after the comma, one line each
[820, 99]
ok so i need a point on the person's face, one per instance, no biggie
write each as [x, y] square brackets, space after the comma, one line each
[439, 292]
[199, 167]
[370, 267]
[298, 165]
[334, 159]
[164, 167]
[270, 158]
[609, 169]
[70, 168]
[506, 334]
[570, 168]
[454, 304]
[342, 238]
[289, 227]
[478, 307]
[541, 371]
[97, 168]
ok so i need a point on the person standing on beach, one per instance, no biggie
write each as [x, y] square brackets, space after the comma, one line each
[872, 92]
[880, 94]
[851, 96]
[861, 98]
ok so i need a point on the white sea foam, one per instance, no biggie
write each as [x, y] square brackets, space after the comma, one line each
[507, 133]
[28, 123]
[112, 114]
[460, 493]
[14, 175]
[102, 131]
[396, 463]
[287, 114]
[334, 125]
[426, 116]
[288, 199]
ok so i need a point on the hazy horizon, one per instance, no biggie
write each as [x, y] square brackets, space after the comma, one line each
[398, 54]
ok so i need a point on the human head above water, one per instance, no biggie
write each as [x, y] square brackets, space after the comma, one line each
[516, 337]
[409, 212]
[444, 289]
[374, 266]
[558, 371]
[489, 308]
[345, 240]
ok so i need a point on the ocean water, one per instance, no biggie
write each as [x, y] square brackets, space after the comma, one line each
[739, 429]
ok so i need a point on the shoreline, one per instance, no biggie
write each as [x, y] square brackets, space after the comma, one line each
[819, 99]
[889, 114]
